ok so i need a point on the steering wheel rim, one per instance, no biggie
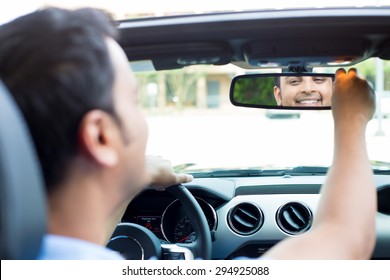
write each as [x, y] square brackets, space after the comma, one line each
[201, 247]
[151, 245]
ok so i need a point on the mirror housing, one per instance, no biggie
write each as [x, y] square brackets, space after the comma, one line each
[283, 90]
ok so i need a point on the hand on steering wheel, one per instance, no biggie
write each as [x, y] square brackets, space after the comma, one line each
[136, 242]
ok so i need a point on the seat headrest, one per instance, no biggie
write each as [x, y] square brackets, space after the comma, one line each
[22, 195]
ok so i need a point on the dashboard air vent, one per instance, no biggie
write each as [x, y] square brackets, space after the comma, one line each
[245, 218]
[294, 218]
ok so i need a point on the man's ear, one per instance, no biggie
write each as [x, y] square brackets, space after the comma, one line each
[96, 137]
[277, 95]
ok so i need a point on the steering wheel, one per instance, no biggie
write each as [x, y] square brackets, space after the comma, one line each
[136, 242]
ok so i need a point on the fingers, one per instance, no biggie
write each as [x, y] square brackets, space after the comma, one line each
[352, 71]
[352, 97]
[162, 175]
[341, 72]
[178, 179]
[183, 178]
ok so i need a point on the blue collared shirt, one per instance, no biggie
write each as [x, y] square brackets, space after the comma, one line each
[57, 247]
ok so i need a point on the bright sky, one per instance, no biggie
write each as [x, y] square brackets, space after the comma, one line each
[11, 9]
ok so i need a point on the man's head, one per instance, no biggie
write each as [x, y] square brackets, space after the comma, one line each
[76, 91]
[303, 91]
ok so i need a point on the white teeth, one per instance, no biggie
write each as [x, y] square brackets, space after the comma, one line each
[308, 101]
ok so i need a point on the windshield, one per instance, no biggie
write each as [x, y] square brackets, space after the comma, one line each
[192, 122]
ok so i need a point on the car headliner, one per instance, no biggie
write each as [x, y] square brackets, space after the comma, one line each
[249, 39]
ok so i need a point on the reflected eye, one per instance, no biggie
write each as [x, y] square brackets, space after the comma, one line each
[294, 81]
[319, 80]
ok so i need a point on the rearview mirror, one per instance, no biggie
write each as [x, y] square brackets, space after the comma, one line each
[283, 90]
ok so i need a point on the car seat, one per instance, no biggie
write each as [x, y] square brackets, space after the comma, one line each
[22, 197]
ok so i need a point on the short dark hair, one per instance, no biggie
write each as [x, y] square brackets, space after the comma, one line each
[56, 64]
[277, 81]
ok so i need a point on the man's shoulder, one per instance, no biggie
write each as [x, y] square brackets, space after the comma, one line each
[57, 247]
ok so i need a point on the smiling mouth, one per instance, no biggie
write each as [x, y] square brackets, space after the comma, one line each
[309, 102]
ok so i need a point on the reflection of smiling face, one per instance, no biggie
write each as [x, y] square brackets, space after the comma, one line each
[304, 91]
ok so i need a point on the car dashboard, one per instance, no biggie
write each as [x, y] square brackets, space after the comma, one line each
[248, 215]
